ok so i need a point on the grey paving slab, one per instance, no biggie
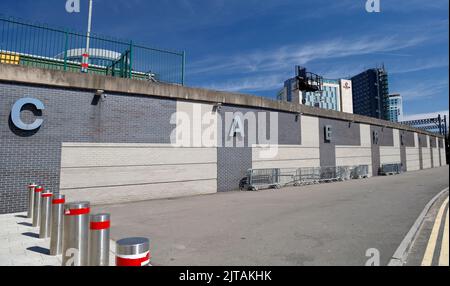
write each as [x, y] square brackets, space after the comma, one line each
[20, 247]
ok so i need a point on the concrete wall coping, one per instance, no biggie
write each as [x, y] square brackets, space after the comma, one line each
[70, 80]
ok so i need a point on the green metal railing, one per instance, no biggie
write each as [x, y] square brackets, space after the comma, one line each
[42, 46]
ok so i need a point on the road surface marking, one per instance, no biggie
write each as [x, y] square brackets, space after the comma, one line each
[429, 252]
[443, 257]
[401, 254]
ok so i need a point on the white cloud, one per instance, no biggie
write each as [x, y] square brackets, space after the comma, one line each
[267, 69]
[283, 58]
[420, 66]
[424, 89]
[258, 83]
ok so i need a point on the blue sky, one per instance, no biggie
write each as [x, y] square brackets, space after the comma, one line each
[252, 46]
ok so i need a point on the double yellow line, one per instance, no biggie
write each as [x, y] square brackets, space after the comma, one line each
[431, 246]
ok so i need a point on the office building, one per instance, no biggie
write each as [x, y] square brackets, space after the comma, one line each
[395, 110]
[371, 93]
[336, 95]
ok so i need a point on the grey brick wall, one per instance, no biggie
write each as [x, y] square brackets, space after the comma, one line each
[431, 151]
[289, 128]
[406, 140]
[422, 144]
[422, 140]
[232, 165]
[433, 142]
[385, 138]
[234, 162]
[343, 133]
[69, 116]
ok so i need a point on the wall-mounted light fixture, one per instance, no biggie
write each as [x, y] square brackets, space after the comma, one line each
[217, 107]
[99, 95]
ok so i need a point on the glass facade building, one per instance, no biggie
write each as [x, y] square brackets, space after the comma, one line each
[395, 110]
[329, 98]
[371, 93]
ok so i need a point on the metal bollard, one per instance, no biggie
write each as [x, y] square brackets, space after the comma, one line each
[133, 251]
[31, 188]
[99, 240]
[76, 234]
[57, 224]
[46, 214]
[37, 206]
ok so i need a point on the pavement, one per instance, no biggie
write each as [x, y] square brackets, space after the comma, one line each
[431, 244]
[20, 244]
[328, 224]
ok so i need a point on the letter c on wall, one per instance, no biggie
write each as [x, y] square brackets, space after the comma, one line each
[16, 110]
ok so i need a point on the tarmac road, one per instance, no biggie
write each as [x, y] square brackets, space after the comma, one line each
[329, 224]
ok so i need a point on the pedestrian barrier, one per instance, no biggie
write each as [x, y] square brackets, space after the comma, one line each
[37, 206]
[263, 178]
[99, 239]
[46, 214]
[31, 188]
[57, 224]
[360, 172]
[134, 251]
[331, 174]
[76, 234]
[390, 169]
[257, 179]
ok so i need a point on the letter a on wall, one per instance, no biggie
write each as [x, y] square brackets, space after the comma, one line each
[237, 128]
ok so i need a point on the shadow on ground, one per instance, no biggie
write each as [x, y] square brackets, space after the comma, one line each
[39, 249]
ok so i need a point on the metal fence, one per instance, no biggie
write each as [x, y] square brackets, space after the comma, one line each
[37, 45]
[257, 179]
[391, 169]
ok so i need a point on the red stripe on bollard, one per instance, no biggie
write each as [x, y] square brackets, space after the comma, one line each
[133, 261]
[38, 190]
[78, 212]
[85, 55]
[85, 65]
[100, 225]
[59, 202]
[46, 195]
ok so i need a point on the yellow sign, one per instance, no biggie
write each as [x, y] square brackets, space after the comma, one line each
[9, 59]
